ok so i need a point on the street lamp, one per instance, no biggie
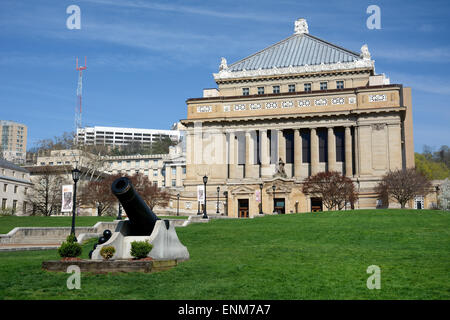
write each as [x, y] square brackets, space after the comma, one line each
[205, 180]
[273, 189]
[178, 204]
[75, 177]
[260, 196]
[218, 190]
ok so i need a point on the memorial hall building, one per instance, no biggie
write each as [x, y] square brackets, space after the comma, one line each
[296, 108]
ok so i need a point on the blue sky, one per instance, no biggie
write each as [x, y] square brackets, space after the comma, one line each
[145, 58]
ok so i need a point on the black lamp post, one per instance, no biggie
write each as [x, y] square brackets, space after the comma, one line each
[198, 208]
[218, 190]
[225, 193]
[260, 196]
[205, 180]
[75, 177]
[119, 214]
[273, 189]
[178, 204]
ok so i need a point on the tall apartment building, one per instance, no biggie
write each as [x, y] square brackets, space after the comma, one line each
[116, 136]
[13, 138]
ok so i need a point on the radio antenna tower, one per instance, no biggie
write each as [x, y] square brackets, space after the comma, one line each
[78, 108]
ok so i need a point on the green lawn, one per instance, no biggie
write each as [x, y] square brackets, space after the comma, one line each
[8, 223]
[299, 256]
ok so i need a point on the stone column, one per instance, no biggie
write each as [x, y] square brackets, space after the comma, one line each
[232, 156]
[331, 150]
[297, 153]
[348, 153]
[356, 132]
[281, 146]
[314, 152]
[248, 154]
[179, 182]
[264, 150]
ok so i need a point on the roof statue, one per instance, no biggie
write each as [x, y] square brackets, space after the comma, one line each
[365, 54]
[223, 64]
[301, 26]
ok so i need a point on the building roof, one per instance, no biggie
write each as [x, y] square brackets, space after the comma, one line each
[296, 50]
[299, 53]
[9, 165]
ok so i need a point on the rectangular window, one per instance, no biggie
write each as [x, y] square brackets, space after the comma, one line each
[340, 144]
[3, 204]
[323, 85]
[323, 144]
[174, 170]
[14, 207]
[174, 183]
[184, 170]
[245, 91]
[339, 84]
[276, 89]
[5, 186]
[260, 90]
[15, 189]
[307, 87]
[291, 88]
[289, 138]
[155, 172]
[306, 150]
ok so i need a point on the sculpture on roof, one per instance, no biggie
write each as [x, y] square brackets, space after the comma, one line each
[365, 54]
[223, 64]
[301, 26]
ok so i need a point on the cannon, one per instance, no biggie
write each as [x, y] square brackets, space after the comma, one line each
[142, 225]
[142, 218]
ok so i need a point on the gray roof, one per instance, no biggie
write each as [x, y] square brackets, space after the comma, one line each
[297, 50]
[9, 165]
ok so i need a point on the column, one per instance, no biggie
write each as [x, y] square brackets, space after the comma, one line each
[248, 154]
[264, 150]
[348, 153]
[297, 153]
[331, 150]
[356, 139]
[281, 146]
[232, 161]
[314, 152]
[179, 172]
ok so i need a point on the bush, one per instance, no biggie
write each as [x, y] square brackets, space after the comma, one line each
[6, 212]
[70, 248]
[140, 249]
[107, 252]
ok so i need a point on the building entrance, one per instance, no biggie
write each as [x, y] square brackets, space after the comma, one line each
[279, 205]
[316, 204]
[243, 208]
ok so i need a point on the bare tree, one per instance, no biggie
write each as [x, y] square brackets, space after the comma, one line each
[403, 185]
[45, 195]
[334, 189]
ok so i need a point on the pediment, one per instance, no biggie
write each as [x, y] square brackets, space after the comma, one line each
[242, 190]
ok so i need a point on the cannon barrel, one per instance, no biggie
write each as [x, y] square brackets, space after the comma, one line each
[141, 217]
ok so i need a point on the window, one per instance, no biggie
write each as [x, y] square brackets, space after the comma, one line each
[307, 87]
[323, 85]
[15, 189]
[306, 151]
[155, 172]
[323, 144]
[14, 207]
[339, 84]
[276, 89]
[291, 88]
[245, 91]
[184, 170]
[5, 186]
[174, 170]
[174, 182]
[155, 162]
[3, 204]
[25, 190]
[340, 144]
[260, 90]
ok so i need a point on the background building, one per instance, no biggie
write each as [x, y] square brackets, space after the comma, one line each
[302, 106]
[114, 136]
[14, 186]
[13, 138]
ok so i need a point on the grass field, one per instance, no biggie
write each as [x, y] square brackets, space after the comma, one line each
[298, 256]
[8, 223]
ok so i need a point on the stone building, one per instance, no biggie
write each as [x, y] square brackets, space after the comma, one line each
[14, 185]
[13, 141]
[298, 107]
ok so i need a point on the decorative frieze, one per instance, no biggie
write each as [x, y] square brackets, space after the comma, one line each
[378, 126]
[287, 104]
[304, 103]
[204, 109]
[377, 98]
[352, 100]
[226, 108]
[239, 107]
[338, 100]
[255, 106]
[320, 102]
[271, 105]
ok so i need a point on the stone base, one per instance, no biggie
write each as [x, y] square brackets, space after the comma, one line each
[114, 266]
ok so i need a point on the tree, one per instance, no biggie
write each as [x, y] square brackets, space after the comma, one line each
[45, 195]
[334, 189]
[150, 193]
[444, 195]
[433, 170]
[404, 185]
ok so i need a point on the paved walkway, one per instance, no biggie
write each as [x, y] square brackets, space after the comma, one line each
[26, 246]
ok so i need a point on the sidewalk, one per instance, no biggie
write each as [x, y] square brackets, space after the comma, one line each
[25, 246]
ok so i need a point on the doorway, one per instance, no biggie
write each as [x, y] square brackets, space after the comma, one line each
[316, 204]
[243, 208]
[279, 205]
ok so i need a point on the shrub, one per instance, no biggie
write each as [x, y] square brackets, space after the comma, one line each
[70, 248]
[140, 249]
[71, 238]
[6, 212]
[107, 252]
